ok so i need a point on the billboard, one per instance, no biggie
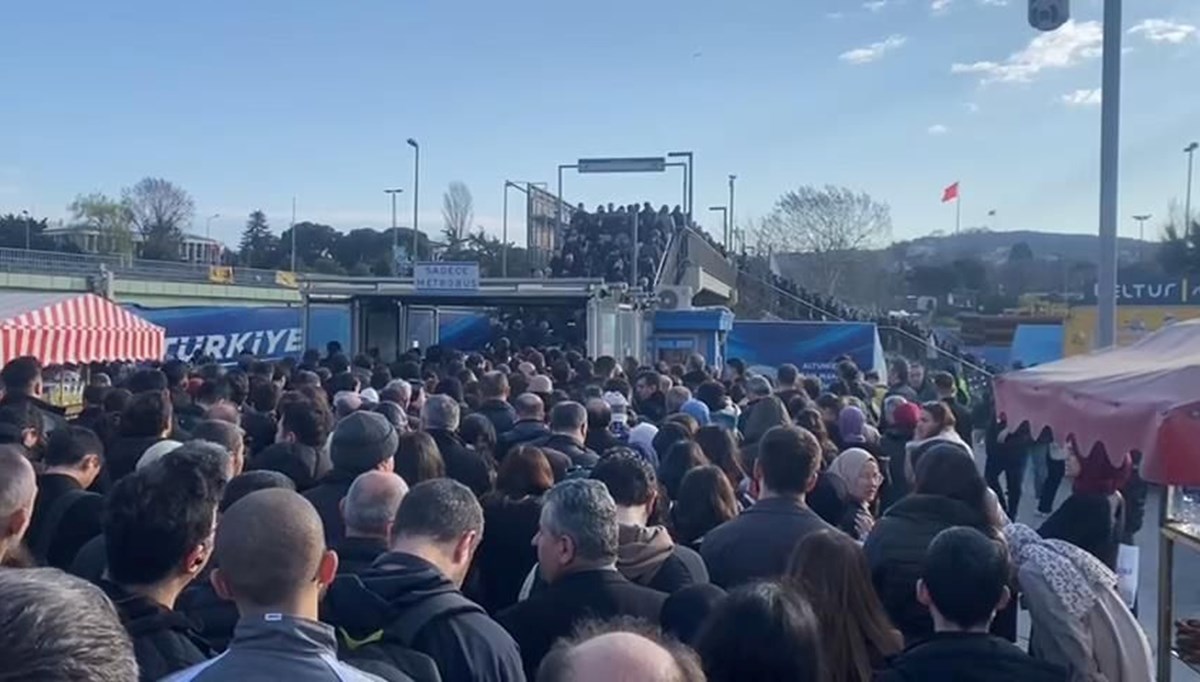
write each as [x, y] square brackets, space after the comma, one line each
[1152, 291]
[225, 331]
[274, 332]
[811, 346]
[1133, 323]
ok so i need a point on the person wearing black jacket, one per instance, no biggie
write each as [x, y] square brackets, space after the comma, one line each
[599, 417]
[949, 492]
[440, 419]
[65, 515]
[577, 556]
[22, 379]
[964, 582]
[409, 600]
[646, 554]
[361, 442]
[568, 434]
[145, 421]
[158, 530]
[529, 426]
[368, 510]
[493, 388]
[650, 402]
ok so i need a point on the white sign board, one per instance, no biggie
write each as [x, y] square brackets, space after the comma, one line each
[1049, 15]
[446, 276]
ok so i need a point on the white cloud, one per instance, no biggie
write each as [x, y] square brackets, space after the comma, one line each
[971, 107]
[1164, 31]
[994, 3]
[835, 16]
[1082, 98]
[875, 5]
[939, 6]
[938, 129]
[1069, 46]
[874, 51]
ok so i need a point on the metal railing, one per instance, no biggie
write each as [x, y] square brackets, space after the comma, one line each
[84, 265]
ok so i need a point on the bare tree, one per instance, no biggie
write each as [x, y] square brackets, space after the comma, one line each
[160, 211]
[458, 213]
[832, 224]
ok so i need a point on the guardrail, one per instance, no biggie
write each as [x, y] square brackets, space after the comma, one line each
[84, 265]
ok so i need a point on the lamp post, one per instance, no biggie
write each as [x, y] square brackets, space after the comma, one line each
[724, 221]
[732, 216]
[416, 194]
[208, 225]
[688, 178]
[395, 231]
[1190, 150]
[1110, 140]
[1141, 221]
[25, 219]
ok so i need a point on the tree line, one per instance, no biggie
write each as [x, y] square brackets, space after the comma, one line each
[149, 220]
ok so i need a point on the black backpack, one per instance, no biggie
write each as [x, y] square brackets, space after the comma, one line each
[393, 645]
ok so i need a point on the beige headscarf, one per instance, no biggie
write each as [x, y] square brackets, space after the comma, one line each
[847, 467]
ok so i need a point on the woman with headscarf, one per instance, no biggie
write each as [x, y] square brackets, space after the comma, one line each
[1092, 518]
[1078, 619]
[845, 493]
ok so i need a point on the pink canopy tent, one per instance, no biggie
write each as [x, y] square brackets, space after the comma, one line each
[1144, 397]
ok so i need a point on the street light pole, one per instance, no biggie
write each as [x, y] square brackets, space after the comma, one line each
[724, 221]
[395, 231]
[732, 216]
[25, 219]
[208, 225]
[416, 194]
[1110, 138]
[688, 182]
[1141, 221]
[1190, 150]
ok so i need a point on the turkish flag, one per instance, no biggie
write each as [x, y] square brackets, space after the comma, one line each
[950, 193]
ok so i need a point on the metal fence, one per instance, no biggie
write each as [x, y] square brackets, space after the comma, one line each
[84, 265]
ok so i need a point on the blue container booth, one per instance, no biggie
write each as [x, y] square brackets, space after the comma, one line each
[677, 334]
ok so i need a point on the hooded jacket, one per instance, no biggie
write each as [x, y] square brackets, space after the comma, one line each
[896, 550]
[464, 642]
[647, 556]
[164, 641]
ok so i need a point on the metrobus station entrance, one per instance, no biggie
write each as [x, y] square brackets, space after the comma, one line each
[389, 316]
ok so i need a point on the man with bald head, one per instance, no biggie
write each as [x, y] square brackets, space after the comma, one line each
[369, 509]
[272, 563]
[620, 651]
[18, 491]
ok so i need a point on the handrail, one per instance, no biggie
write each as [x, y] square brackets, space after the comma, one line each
[956, 358]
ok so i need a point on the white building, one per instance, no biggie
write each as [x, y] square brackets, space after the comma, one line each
[193, 248]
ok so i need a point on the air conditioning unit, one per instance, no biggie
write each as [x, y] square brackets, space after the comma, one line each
[675, 298]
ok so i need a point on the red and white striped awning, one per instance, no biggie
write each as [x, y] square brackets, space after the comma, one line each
[72, 328]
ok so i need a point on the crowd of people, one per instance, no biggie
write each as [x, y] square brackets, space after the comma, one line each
[533, 514]
[600, 244]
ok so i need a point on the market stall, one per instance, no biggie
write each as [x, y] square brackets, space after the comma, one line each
[62, 329]
[1142, 398]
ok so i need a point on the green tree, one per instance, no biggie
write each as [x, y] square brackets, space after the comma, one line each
[1179, 253]
[259, 246]
[110, 218]
[161, 212]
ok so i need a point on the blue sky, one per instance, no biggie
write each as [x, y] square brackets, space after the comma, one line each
[247, 104]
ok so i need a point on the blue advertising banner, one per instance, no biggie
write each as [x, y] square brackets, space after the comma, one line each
[811, 346]
[274, 332]
[225, 331]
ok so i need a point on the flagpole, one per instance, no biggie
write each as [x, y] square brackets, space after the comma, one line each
[958, 211]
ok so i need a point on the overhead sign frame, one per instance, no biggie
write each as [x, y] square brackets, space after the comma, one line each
[446, 276]
[638, 164]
